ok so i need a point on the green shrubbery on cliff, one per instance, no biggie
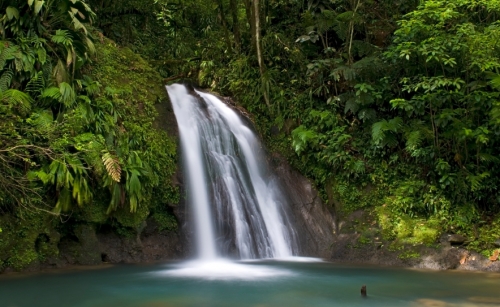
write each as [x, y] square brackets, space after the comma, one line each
[77, 137]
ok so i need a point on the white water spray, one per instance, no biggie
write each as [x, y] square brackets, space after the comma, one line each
[235, 203]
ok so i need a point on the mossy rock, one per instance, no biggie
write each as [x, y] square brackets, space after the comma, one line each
[165, 221]
[87, 249]
[27, 238]
[93, 213]
[138, 84]
[131, 219]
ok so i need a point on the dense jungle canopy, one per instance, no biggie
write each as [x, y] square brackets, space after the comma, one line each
[390, 106]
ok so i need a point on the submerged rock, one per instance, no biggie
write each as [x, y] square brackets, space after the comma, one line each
[426, 302]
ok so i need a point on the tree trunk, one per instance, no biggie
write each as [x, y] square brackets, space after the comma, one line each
[224, 25]
[236, 25]
[258, 50]
[250, 20]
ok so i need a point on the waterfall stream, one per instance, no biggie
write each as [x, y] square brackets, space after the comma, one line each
[234, 199]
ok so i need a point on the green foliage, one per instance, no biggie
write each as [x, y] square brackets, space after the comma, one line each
[485, 234]
[129, 219]
[165, 221]
[26, 238]
[77, 134]
[390, 105]
[409, 254]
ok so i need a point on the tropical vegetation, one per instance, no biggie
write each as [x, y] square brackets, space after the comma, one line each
[389, 106]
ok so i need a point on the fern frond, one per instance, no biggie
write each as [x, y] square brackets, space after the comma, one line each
[414, 139]
[341, 28]
[476, 181]
[395, 124]
[8, 52]
[351, 105]
[68, 95]
[488, 158]
[19, 100]
[134, 189]
[52, 93]
[93, 88]
[494, 80]
[6, 79]
[62, 37]
[47, 70]
[81, 191]
[367, 114]
[112, 166]
[390, 140]
[42, 120]
[378, 129]
[117, 197]
[362, 48]
[347, 72]
[358, 166]
[64, 94]
[36, 85]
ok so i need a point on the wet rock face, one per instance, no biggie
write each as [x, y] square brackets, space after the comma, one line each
[82, 249]
[151, 245]
[91, 248]
[314, 223]
[358, 240]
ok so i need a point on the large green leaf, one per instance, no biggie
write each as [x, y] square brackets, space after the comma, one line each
[12, 13]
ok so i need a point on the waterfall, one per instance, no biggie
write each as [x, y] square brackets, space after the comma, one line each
[235, 201]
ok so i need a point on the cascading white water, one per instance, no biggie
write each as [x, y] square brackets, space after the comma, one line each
[234, 200]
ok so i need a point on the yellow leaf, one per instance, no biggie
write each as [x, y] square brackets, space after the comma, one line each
[494, 257]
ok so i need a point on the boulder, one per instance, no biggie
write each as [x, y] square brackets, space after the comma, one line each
[497, 243]
[456, 239]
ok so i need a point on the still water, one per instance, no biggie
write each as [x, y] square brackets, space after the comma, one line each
[256, 284]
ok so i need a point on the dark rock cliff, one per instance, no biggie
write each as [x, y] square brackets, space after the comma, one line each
[314, 222]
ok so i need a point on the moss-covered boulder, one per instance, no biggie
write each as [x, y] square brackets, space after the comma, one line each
[27, 239]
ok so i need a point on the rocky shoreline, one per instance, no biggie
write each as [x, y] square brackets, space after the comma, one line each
[354, 242]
